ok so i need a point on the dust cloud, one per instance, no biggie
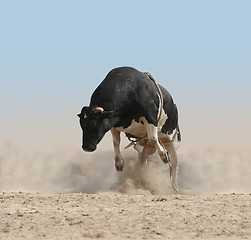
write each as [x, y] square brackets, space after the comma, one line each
[72, 170]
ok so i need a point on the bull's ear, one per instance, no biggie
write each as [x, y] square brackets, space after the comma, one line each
[79, 115]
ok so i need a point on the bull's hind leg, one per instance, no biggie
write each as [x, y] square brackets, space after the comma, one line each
[144, 152]
[119, 162]
[174, 164]
[142, 158]
[152, 134]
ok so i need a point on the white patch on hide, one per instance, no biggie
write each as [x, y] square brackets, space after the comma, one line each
[136, 129]
[173, 137]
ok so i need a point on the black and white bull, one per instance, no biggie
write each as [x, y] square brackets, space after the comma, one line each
[131, 101]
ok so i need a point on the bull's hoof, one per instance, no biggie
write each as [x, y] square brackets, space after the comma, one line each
[119, 168]
[119, 164]
[165, 158]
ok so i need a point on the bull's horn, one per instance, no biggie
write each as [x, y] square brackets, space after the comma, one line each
[98, 109]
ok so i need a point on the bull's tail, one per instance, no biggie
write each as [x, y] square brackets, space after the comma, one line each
[177, 125]
[178, 134]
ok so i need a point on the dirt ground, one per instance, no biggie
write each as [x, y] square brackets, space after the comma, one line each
[81, 196]
[121, 216]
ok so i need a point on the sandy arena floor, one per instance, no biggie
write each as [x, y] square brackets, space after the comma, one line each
[82, 196]
[121, 216]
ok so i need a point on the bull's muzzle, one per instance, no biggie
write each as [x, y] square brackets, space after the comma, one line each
[90, 148]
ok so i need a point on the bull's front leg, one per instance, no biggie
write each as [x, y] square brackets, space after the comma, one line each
[119, 162]
[152, 133]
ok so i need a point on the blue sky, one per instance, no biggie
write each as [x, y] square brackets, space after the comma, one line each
[54, 53]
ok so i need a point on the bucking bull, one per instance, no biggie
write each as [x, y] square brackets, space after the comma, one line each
[132, 102]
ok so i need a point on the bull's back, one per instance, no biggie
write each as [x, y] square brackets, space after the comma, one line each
[121, 88]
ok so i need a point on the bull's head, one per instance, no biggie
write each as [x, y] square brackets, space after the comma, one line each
[94, 122]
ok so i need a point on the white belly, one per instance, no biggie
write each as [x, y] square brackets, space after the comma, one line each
[136, 129]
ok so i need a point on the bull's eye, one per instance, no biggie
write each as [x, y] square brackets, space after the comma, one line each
[92, 124]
